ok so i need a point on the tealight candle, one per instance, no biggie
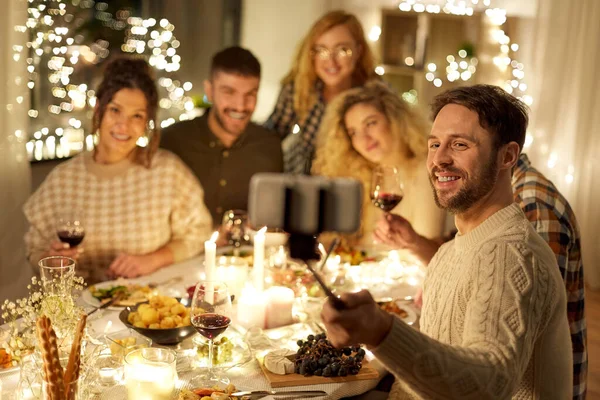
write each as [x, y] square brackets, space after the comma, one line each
[210, 253]
[150, 374]
[259, 259]
[280, 301]
[251, 308]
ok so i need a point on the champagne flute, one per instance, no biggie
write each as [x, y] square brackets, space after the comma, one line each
[211, 315]
[70, 229]
[387, 188]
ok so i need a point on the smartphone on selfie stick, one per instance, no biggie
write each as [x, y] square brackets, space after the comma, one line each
[305, 206]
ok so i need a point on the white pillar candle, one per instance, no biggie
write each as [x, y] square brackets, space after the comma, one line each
[280, 301]
[210, 254]
[251, 308]
[259, 259]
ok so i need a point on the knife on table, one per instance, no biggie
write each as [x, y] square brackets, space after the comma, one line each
[107, 304]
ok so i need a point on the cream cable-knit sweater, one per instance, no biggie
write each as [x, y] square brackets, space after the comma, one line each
[126, 208]
[494, 320]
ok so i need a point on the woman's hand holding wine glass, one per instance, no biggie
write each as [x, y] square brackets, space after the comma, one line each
[70, 232]
[211, 316]
[387, 188]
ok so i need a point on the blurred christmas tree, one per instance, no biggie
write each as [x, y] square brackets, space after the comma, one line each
[67, 44]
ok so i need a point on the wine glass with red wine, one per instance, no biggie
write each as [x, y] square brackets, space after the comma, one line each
[211, 315]
[387, 188]
[70, 229]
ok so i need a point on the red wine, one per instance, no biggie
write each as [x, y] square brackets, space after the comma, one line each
[73, 238]
[210, 325]
[386, 201]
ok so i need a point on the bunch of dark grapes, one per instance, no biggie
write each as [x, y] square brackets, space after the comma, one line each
[316, 356]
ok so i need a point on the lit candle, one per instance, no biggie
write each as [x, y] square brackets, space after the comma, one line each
[259, 259]
[280, 301]
[322, 250]
[150, 374]
[251, 308]
[210, 253]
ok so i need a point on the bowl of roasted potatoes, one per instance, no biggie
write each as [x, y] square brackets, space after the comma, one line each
[165, 320]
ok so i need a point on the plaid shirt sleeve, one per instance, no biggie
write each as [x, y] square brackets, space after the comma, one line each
[283, 116]
[554, 220]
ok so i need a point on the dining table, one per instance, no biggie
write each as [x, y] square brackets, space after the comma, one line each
[248, 376]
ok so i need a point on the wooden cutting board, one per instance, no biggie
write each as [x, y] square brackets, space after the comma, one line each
[366, 372]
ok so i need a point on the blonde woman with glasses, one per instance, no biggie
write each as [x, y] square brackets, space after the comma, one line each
[333, 57]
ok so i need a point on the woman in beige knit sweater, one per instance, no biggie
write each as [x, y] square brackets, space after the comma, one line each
[369, 126]
[143, 209]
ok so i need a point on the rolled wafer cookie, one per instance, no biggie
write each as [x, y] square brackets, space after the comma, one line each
[53, 372]
[73, 367]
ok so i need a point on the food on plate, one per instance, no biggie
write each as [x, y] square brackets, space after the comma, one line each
[353, 256]
[316, 356]
[222, 350]
[5, 359]
[129, 294]
[393, 308]
[161, 312]
[214, 393]
[247, 255]
[278, 361]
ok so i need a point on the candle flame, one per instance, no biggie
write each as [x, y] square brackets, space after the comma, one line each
[322, 249]
[262, 230]
[214, 236]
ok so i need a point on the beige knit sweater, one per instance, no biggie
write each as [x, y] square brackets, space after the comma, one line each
[126, 207]
[494, 320]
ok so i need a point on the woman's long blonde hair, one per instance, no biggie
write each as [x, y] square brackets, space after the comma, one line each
[335, 155]
[303, 73]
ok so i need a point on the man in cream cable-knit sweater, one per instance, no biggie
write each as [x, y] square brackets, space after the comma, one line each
[495, 325]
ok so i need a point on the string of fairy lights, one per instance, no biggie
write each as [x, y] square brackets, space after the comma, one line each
[462, 66]
[56, 56]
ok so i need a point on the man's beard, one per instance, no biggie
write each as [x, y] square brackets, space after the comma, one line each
[472, 191]
[221, 123]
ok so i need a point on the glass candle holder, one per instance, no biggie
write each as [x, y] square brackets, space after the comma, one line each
[150, 373]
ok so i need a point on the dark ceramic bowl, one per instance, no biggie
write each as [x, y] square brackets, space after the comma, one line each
[160, 336]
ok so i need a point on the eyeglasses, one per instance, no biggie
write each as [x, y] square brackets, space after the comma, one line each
[339, 53]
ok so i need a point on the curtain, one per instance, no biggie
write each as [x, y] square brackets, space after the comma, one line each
[15, 175]
[565, 117]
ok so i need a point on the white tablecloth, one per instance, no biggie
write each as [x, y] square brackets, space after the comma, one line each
[248, 377]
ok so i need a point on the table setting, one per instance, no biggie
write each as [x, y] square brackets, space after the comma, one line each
[240, 318]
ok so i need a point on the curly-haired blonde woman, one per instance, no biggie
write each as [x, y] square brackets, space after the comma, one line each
[333, 57]
[369, 126]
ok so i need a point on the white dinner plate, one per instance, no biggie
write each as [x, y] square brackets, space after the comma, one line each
[88, 298]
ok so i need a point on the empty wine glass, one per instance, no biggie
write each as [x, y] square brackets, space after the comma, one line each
[211, 315]
[387, 188]
[70, 228]
[234, 226]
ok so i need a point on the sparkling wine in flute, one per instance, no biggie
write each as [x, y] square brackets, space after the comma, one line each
[210, 325]
[386, 201]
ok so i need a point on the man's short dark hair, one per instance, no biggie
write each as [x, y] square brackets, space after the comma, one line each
[499, 112]
[235, 60]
